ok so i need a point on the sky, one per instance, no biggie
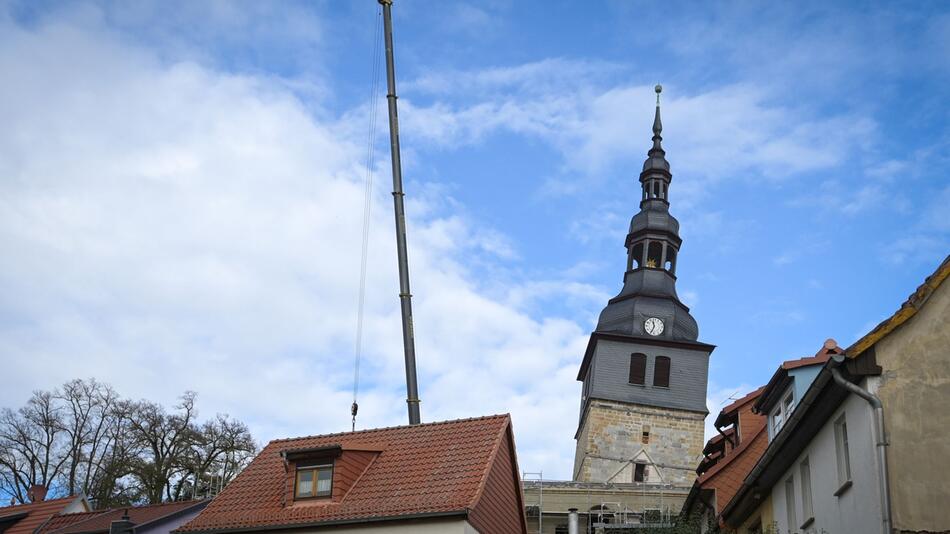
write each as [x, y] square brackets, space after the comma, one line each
[182, 195]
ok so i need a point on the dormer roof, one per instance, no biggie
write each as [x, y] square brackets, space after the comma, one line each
[26, 518]
[99, 521]
[781, 379]
[465, 468]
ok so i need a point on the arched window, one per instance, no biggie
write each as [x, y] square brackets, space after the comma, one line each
[654, 254]
[637, 255]
[638, 368]
[656, 189]
[671, 259]
[661, 372]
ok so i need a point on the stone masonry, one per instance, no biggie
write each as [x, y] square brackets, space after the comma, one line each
[611, 441]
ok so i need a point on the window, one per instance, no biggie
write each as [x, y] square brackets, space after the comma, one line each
[841, 448]
[314, 481]
[781, 412]
[807, 510]
[790, 505]
[670, 259]
[637, 255]
[638, 368]
[646, 435]
[661, 372]
[640, 472]
[654, 253]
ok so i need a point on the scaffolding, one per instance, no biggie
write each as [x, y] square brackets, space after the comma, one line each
[530, 507]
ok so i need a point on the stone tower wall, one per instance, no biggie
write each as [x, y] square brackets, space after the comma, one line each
[611, 439]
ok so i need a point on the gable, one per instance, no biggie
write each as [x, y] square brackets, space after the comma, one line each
[500, 504]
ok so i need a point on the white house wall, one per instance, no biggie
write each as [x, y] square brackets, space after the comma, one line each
[856, 510]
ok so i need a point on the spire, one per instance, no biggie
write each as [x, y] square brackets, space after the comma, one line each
[656, 157]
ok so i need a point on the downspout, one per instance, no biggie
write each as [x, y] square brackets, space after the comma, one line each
[881, 444]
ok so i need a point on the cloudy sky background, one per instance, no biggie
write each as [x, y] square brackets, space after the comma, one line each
[181, 195]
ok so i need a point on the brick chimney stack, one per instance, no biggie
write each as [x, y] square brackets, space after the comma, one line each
[37, 493]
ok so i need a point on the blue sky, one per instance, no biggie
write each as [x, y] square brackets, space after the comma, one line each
[182, 191]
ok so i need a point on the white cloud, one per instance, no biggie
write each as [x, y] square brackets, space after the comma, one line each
[729, 131]
[175, 227]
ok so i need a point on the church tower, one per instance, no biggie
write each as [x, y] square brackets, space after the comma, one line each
[644, 372]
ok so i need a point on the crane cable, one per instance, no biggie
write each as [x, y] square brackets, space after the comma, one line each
[367, 207]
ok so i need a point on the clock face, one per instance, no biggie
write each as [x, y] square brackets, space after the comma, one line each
[653, 326]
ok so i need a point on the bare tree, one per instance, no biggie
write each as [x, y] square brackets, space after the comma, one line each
[30, 445]
[85, 439]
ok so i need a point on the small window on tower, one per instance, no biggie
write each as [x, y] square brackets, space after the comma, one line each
[640, 472]
[656, 189]
[654, 254]
[646, 437]
[661, 372]
[670, 259]
[637, 255]
[638, 368]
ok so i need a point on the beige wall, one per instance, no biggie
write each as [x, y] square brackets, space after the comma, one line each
[432, 526]
[762, 516]
[915, 391]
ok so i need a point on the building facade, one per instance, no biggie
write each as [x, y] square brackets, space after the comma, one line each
[862, 448]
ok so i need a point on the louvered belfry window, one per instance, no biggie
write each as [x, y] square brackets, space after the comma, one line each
[661, 372]
[638, 368]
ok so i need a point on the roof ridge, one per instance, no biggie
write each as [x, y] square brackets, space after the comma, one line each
[726, 460]
[93, 514]
[193, 503]
[385, 428]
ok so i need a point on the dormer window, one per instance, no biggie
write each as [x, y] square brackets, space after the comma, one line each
[310, 471]
[782, 411]
[314, 480]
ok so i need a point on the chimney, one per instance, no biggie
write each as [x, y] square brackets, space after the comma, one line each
[37, 493]
[122, 526]
[573, 526]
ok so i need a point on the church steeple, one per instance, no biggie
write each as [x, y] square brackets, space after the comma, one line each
[652, 245]
[644, 372]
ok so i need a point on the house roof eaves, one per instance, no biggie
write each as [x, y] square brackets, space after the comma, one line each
[334, 522]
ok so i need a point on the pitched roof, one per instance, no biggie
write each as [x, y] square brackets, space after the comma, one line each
[101, 520]
[728, 414]
[434, 469]
[780, 379]
[908, 309]
[34, 515]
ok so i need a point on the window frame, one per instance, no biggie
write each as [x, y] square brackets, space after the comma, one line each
[640, 357]
[314, 468]
[842, 454]
[642, 468]
[782, 411]
[790, 511]
[808, 509]
[669, 369]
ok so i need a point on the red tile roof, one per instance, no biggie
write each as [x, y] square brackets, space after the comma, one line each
[751, 396]
[37, 514]
[100, 520]
[446, 468]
